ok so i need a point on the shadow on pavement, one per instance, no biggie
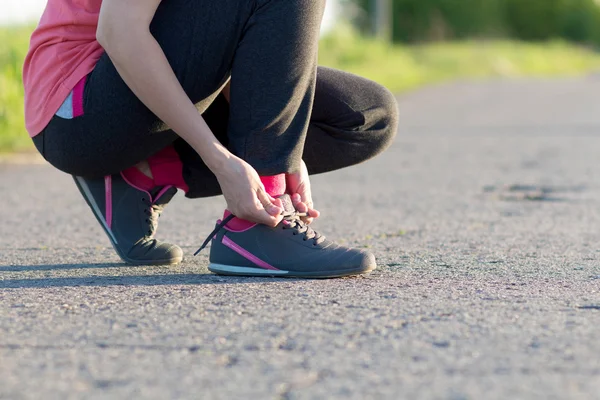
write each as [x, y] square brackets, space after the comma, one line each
[145, 280]
[53, 267]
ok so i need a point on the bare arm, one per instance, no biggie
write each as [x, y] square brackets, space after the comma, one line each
[124, 33]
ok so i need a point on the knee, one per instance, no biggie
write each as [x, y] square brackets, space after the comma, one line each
[381, 117]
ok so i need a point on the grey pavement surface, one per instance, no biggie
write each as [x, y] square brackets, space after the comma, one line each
[484, 216]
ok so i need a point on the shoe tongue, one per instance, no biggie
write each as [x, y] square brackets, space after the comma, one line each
[164, 193]
[286, 200]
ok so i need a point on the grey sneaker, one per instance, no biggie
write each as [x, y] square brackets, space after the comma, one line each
[129, 217]
[291, 249]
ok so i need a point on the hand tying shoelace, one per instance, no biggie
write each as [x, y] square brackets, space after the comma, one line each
[291, 220]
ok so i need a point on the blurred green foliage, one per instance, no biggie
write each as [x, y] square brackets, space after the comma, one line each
[431, 20]
[403, 67]
[14, 42]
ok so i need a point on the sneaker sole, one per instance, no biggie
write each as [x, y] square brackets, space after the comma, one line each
[231, 270]
[97, 213]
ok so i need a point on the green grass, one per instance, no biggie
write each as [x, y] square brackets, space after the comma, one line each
[13, 47]
[400, 68]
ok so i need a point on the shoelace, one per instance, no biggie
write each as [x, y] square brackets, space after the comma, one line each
[153, 212]
[214, 232]
[293, 219]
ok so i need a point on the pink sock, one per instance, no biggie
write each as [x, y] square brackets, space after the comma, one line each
[274, 186]
[138, 179]
[167, 169]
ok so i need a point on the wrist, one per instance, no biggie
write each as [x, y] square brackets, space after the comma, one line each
[216, 158]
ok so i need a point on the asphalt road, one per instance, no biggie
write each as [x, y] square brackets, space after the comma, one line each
[484, 216]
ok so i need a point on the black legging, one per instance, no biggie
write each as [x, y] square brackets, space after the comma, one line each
[281, 108]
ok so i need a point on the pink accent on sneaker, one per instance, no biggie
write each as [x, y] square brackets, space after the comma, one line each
[162, 191]
[237, 225]
[246, 254]
[141, 189]
[274, 185]
[138, 178]
[135, 186]
[167, 169]
[78, 97]
[108, 200]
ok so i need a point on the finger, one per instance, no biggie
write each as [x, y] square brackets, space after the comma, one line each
[263, 217]
[296, 199]
[314, 213]
[272, 206]
[307, 208]
[256, 213]
[307, 220]
[272, 199]
[311, 215]
[306, 198]
[278, 203]
[301, 207]
[267, 213]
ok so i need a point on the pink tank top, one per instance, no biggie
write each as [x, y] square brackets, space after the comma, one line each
[63, 50]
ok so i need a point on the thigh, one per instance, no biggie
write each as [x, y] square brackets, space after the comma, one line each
[199, 39]
[116, 130]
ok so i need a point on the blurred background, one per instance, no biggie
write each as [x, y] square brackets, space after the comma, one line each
[403, 44]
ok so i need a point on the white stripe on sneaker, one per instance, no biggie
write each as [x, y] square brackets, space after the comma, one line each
[243, 270]
[95, 208]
